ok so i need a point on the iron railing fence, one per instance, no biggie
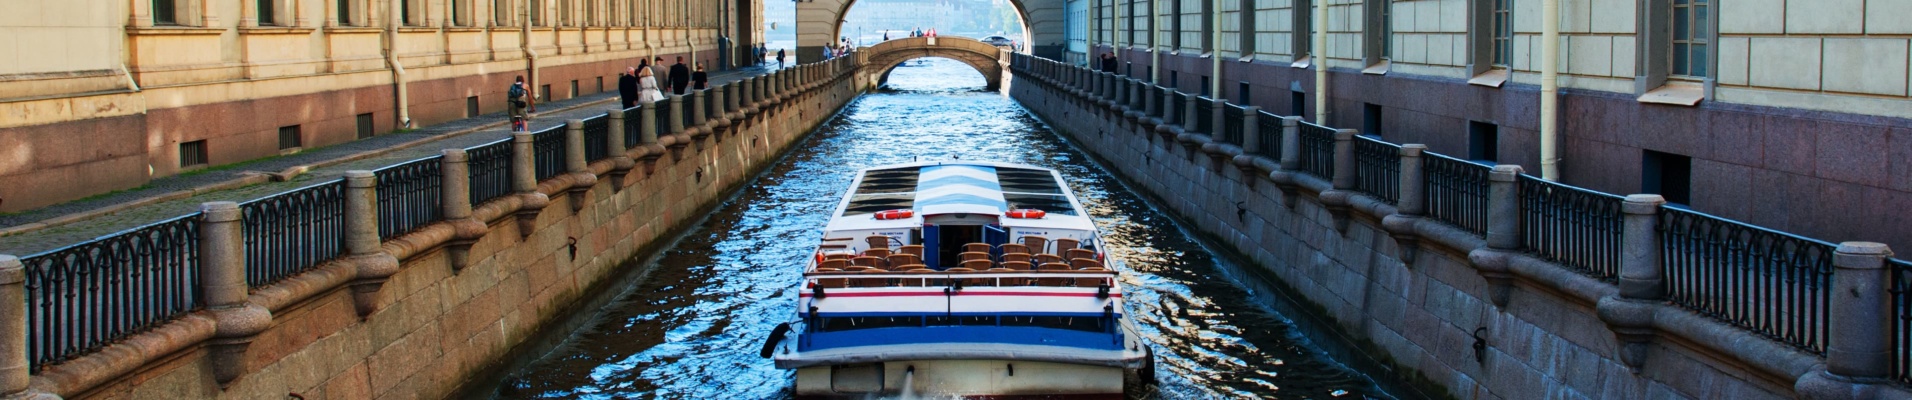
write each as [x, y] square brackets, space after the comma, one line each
[1571, 226]
[597, 138]
[1317, 150]
[1901, 271]
[1270, 133]
[1772, 283]
[1456, 191]
[408, 196]
[548, 152]
[1232, 116]
[663, 117]
[1205, 116]
[1154, 108]
[689, 108]
[291, 232]
[1178, 101]
[83, 297]
[1377, 168]
[490, 167]
[634, 126]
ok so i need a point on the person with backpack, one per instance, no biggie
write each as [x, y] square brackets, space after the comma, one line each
[517, 99]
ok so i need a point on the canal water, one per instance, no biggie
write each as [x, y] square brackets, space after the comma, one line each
[690, 328]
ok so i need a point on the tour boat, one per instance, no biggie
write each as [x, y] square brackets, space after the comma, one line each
[965, 279]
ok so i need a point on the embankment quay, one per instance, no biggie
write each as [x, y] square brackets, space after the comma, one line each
[1459, 280]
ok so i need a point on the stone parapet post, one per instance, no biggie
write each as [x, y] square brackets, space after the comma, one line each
[222, 279]
[1340, 198]
[621, 162]
[1250, 147]
[1289, 161]
[1629, 312]
[1503, 232]
[454, 193]
[362, 241]
[647, 125]
[720, 115]
[524, 182]
[699, 124]
[1152, 103]
[1410, 206]
[1190, 113]
[676, 124]
[575, 164]
[15, 367]
[1860, 349]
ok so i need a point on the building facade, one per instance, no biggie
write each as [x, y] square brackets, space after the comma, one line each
[1789, 114]
[107, 95]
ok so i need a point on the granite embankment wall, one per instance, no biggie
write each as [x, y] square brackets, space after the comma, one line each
[1442, 309]
[419, 314]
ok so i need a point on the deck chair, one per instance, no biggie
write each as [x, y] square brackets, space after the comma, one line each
[1063, 245]
[975, 255]
[878, 241]
[880, 253]
[904, 259]
[976, 247]
[1052, 267]
[831, 283]
[916, 281]
[978, 265]
[1037, 244]
[871, 282]
[1080, 253]
[871, 262]
[970, 281]
[836, 264]
[1047, 258]
[1018, 265]
[915, 249]
[1085, 263]
[1092, 282]
[907, 267]
[1014, 248]
[836, 256]
[1023, 257]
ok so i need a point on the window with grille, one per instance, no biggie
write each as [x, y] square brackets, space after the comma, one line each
[1691, 28]
[1503, 32]
[471, 106]
[365, 126]
[289, 138]
[192, 154]
[165, 12]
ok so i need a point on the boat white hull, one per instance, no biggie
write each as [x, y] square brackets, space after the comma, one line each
[962, 378]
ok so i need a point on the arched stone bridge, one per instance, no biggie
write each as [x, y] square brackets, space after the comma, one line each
[878, 60]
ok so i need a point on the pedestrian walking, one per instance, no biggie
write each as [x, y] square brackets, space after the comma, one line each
[658, 69]
[680, 76]
[627, 87]
[700, 80]
[779, 58]
[1108, 62]
[647, 87]
[517, 99]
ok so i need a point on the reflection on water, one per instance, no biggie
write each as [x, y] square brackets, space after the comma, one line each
[692, 327]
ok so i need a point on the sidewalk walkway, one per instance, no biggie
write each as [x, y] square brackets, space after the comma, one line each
[55, 226]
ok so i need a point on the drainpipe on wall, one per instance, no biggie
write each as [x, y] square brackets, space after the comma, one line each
[1549, 90]
[530, 56]
[392, 23]
[690, 35]
[1155, 43]
[1215, 48]
[1321, 61]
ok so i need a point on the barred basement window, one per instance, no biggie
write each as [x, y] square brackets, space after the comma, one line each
[365, 126]
[600, 85]
[574, 88]
[544, 92]
[1483, 142]
[289, 138]
[192, 154]
[471, 106]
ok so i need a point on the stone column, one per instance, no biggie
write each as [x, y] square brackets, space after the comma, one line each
[454, 193]
[1629, 313]
[1503, 232]
[362, 241]
[1861, 346]
[222, 277]
[1411, 205]
[621, 162]
[15, 373]
[524, 182]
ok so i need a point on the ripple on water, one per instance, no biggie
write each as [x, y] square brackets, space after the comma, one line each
[691, 329]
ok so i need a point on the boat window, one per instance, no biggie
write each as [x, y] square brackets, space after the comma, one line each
[888, 181]
[867, 204]
[1052, 204]
[1085, 324]
[1020, 180]
[838, 324]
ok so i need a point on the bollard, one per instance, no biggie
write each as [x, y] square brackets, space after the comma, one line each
[524, 182]
[620, 155]
[1345, 172]
[454, 192]
[1641, 276]
[222, 277]
[1251, 131]
[1291, 143]
[1152, 102]
[647, 124]
[676, 116]
[1861, 347]
[15, 367]
[362, 242]
[1503, 233]
[1190, 114]
[574, 159]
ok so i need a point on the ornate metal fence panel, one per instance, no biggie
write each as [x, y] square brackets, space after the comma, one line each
[408, 196]
[291, 232]
[1575, 227]
[663, 116]
[1270, 133]
[548, 152]
[1179, 102]
[1205, 115]
[1773, 283]
[633, 126]
[1456, 192]
[1377, 168]
[1901, 271]
[1317, 150]
[597, 138]
[490, 171]
[1232, 116]
[83, 297]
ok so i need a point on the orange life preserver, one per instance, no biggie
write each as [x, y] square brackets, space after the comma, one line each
[895, 214]
[1026, 213]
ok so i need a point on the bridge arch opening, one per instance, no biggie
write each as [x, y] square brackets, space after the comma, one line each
[932, 74]
[873, 20]
[986, 59]
[820, 23]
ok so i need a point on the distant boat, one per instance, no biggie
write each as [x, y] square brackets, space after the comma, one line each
[968, 279]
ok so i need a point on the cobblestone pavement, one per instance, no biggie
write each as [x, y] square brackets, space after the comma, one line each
[56, 236]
